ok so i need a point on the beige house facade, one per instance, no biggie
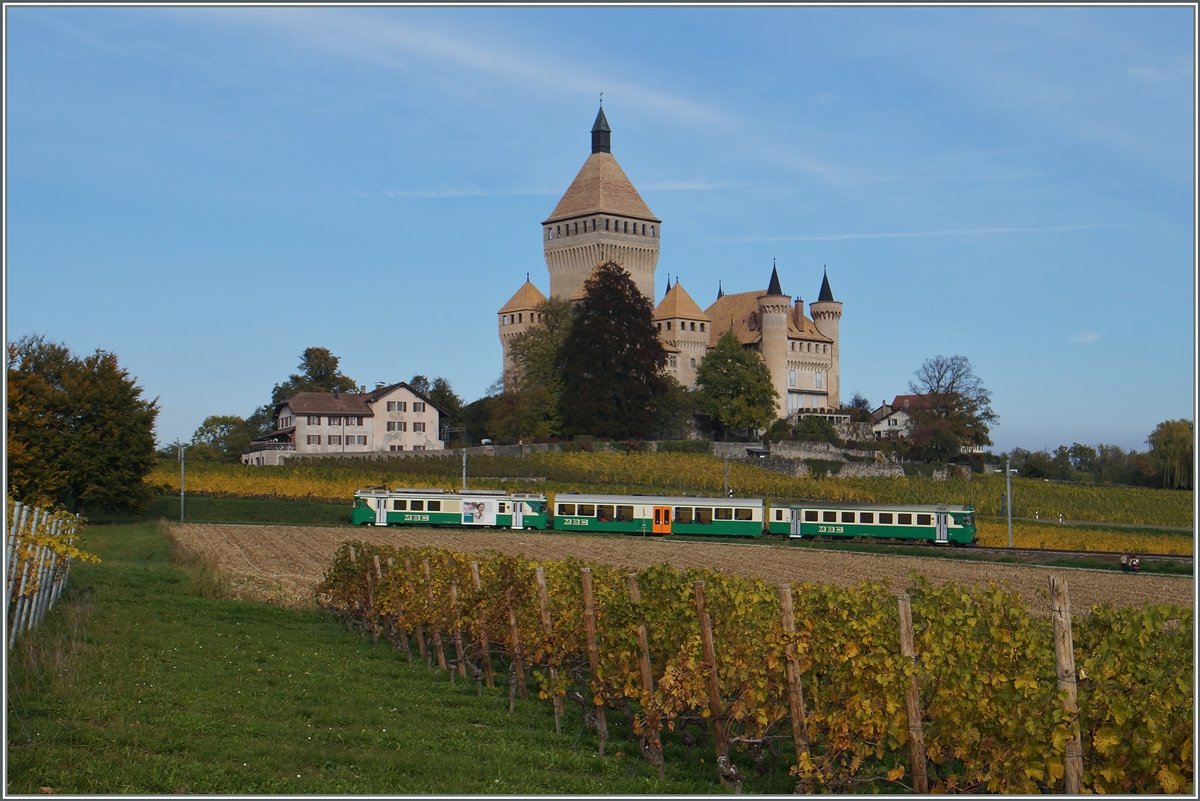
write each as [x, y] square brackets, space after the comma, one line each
[603, 218]
[391, 418]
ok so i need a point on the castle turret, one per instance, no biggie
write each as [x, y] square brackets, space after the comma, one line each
[826, 314]
[600, 218]
[518, 316]
[683, 329]
[774, 309]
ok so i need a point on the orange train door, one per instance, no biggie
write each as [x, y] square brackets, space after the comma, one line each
[662, 519]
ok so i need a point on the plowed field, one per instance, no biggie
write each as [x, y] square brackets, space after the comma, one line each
[283, 563]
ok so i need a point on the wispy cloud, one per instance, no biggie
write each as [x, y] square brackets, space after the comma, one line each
[917, 234]
[688, 186]
[469, 191]
[1086, 337]
[387, 41]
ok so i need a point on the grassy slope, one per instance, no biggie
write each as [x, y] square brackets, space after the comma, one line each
[136, 684]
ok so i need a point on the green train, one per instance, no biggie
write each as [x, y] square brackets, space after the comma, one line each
[664, 515]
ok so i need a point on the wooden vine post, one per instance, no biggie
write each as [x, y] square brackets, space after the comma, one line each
[544, 603]
[412, 590]
[401, 623]
[725, 769]
[484, 646]
[795, 690]
[518, 656]
[655, 752]
[459, 653]
[912, 698]
[1064, 662]
[437, 631]
[589, 623]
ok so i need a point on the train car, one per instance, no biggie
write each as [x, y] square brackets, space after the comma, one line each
[940, 524]
[435, 507]
[645, 514]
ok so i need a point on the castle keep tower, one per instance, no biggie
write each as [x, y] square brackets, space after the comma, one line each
[601, 218]
[827, 314]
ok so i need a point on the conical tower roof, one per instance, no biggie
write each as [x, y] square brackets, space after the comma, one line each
[826, 293]
[528, 297]
[601, 186]
[773, 287]
[679, 304]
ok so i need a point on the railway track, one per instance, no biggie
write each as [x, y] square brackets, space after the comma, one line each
[1067, 554]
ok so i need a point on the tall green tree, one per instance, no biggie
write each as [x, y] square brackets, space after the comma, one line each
[613, 361]
[952, 392]
[445, 398]
[1172, 445]
[220, 438]
[733, 387]
[79, 432]
[319, 372]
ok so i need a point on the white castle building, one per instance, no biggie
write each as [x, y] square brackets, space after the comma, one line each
[602, 218]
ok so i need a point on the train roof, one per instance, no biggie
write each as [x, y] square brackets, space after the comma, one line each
[384, 492]
[656, 500]
[886, 507]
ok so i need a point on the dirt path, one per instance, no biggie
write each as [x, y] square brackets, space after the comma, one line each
[293, 560]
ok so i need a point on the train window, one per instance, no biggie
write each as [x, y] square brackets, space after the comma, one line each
[500, 508]
[724, 514]
[604, 513]
[587, 509]
[778, 514]
[435, 506]
[828, 517]
[743, 514]
[810, 516]
[885, 517]
[866, 517]
[400, 505]
[566, 508]
[418, 506]
[904, 519]
[703, 516]
[847, 517]
[966, 520]
[625, 514]
[683, 514]
[924, 520]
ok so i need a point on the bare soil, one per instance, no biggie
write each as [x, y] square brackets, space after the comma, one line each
[283, 564]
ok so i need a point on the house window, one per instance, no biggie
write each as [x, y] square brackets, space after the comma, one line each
[356, 439]
[335, 439]
[314, 419]
[891, 421]
[791, 378]
[397, 426]
[419, 427]
[353, 420]
[285, 422]
[818, 380]
[418, 447]
[335, 421]
[400, 406]
[418, 406]
[671, 361]
[314, 439]
[396, 448]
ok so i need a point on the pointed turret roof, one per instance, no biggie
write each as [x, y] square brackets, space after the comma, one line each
[528, 297]
[826, 293]
[601, 186]
[679, 304]
[773, 288]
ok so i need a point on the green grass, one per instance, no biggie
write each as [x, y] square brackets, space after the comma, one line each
[202, 509]
[137, 684]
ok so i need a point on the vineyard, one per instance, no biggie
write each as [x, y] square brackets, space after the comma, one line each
[823, 691]
[994, 534]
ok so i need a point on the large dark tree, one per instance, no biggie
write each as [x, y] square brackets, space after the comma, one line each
[951, 392]
[733, 387]
[79, 432]
[613, 361]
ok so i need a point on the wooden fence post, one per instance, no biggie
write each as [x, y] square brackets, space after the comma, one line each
[401, 623]
[412, 589]
[437, 631]
[589, 623]
[518, 655]
[544, 603]
[484, 646]
[654, 753]
[795, 689]
[912, 698]
[460, 655]
[1064, 661]
[725, 769]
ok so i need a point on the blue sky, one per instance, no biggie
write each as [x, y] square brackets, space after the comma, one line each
[208, 191]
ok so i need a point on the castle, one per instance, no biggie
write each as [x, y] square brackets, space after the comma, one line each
[602, 218]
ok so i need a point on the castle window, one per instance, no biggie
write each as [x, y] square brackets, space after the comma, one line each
[576, 227]
[605, 223]
[693, 363]
[659, 326]
[791, 378]
[652, 231]
[701, 326]
[671, 360]
[520, 317]
[752, 322]
[668, 326]
[693, 326]
[818, 375]
[627, 226]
